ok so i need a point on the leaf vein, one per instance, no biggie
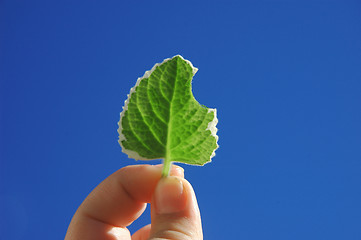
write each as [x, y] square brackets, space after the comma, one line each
[148, 126]
[195, 131]
[136, 135]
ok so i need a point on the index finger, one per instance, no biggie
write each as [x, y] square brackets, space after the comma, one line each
[121, 198]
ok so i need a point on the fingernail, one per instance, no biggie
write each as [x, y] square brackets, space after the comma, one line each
[176, 170]
[169, 196]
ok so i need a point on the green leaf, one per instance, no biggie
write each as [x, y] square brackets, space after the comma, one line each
[162, 120]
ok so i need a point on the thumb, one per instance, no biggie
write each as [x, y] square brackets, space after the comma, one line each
[175, 213]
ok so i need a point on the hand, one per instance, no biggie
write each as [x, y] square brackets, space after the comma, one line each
[121, 198]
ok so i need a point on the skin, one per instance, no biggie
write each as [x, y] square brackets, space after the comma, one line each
[121, 198]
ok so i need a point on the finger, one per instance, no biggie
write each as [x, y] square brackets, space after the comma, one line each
[142, 234]
[121, 198]
[83, 227]
[118, 200]
[175, 213]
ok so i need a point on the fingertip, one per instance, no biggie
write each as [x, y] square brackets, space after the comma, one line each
[169, 195]
[175, 212]
[177, 171]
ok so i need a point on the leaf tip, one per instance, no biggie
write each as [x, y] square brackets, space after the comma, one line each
[194, 69]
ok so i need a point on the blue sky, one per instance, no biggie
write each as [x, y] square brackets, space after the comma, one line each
[285, 77]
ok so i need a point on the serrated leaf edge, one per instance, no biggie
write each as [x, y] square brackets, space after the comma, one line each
[212, 127]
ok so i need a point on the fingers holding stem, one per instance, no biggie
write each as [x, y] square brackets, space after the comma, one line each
[167, 165]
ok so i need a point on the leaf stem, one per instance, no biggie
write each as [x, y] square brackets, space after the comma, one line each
[166, 167]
